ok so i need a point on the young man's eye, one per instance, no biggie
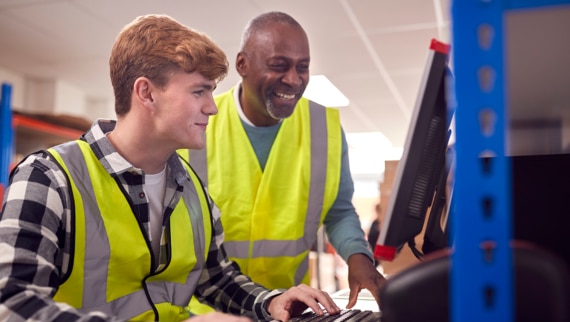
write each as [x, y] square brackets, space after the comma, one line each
[199, 93]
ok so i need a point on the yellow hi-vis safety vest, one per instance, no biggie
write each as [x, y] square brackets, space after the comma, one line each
[111, 260]
[271, 216]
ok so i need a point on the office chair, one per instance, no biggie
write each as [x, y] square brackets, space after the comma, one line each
[421, 292]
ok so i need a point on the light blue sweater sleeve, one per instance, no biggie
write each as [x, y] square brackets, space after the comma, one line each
[342, 223]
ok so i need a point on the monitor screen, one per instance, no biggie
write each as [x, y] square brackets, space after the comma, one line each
[423, 161]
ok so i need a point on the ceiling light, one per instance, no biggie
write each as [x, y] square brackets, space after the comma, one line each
[321, 90]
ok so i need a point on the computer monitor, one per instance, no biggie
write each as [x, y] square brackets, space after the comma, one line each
[423, 163]
[437, 233]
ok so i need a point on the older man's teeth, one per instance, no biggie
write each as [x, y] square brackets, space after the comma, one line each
[285, 96]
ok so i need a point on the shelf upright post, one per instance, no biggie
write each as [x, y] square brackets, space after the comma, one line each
[482, 269]
[481, 279]
[6, 138]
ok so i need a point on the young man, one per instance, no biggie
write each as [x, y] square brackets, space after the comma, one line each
[286, 170]
[115, 226]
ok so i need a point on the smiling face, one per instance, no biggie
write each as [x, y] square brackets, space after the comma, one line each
[274, 67]
[182, 110]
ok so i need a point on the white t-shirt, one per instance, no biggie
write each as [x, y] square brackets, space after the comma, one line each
[155, 186]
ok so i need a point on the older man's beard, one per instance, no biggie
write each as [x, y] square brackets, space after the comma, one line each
[275, 113]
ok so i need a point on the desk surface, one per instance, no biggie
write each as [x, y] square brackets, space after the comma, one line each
[365, 300]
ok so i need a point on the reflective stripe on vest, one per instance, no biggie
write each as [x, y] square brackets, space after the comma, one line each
[252, 245]
[111, 259]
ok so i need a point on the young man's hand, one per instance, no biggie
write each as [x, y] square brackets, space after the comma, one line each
[297, 299]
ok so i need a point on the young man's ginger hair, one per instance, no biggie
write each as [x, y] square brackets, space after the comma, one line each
[155, 46]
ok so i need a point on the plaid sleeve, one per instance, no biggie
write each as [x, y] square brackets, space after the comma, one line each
[34, 226]
[222, 285]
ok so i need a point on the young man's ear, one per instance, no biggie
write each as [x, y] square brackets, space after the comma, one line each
[143, 89]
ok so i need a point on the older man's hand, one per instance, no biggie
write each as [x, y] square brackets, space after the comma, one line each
[363, 274]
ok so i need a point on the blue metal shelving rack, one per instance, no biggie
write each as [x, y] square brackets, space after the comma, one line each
[481, 279]
[6, 136]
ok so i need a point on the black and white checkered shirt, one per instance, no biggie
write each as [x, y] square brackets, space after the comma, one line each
[35, 238]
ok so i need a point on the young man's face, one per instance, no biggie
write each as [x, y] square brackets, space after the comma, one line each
[183, 108]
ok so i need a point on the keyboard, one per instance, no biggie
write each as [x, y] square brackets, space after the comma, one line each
[352, 315]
